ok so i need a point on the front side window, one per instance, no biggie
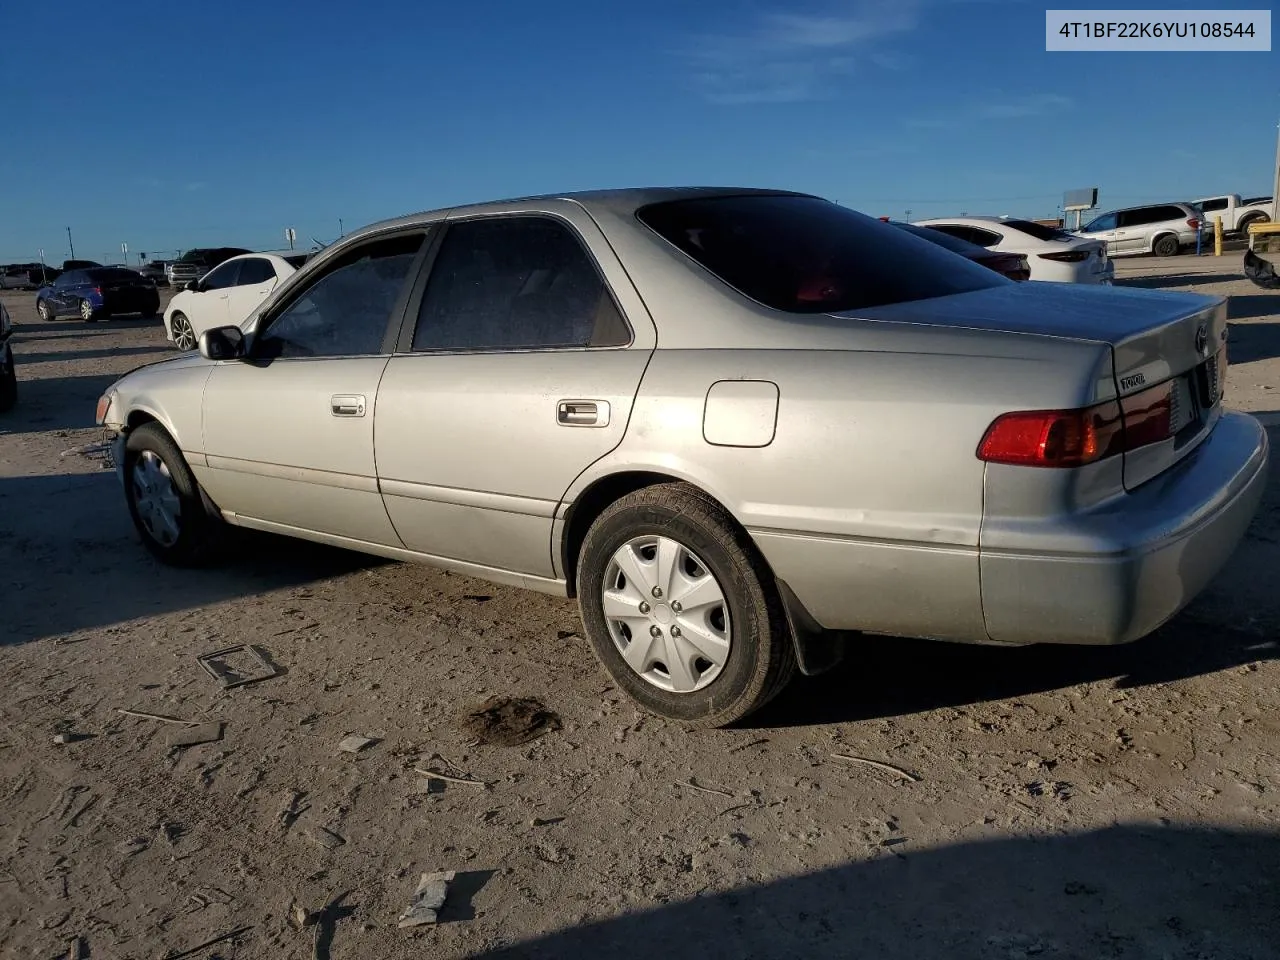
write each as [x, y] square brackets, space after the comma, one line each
[221, 278]
[1218, 203]
[512, 283]
[346, 310]
[254, 271]
[807, 255]
[1105, 222]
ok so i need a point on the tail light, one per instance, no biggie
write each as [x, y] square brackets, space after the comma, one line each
[1066, 256]
[1074, 438]
[1193, 223]
[98, 291]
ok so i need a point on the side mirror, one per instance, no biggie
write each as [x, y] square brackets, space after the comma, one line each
[222, 343]
[192, 285]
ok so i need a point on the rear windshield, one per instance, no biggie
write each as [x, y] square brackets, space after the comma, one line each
[808, 255]
[962, 247]
[1037, 230]
[108, 274]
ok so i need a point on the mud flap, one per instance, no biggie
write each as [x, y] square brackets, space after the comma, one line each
[817, 649]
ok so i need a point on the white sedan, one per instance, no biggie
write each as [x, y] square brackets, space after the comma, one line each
[226, 295]
[1053, 254]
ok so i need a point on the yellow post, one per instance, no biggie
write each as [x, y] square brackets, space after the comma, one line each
[1217, 235]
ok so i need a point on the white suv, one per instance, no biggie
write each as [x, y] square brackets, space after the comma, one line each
[1164, 229]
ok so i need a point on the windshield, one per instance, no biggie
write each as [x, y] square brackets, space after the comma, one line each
[807, 255]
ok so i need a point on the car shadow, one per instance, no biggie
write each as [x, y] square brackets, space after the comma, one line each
[1253, 305]
[1122, 891]
[1232, 623]
[164, 348]
[55, 403]
[1253, 341]
[1176, 280]
[73, 561]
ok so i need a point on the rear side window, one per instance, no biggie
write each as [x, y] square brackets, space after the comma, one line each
[254, 271]
[808, 255]
[223, 277]
[1217, 203]
[513, 283]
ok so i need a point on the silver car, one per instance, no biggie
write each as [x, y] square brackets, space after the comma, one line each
[738, 426]
[1164, 229]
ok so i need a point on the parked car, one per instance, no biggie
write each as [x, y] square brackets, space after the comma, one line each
[1236, 213]
[155, 271]
[1011, 265]
[98, 294]
[736, 425]
[1164, 229]
[16, 276]
[225, 295]
[8, 371]
[194, 264]
[1052, 254]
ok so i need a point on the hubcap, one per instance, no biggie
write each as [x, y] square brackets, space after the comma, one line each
[184, 338]
[666, 614]
[86, 309]
[156, 499]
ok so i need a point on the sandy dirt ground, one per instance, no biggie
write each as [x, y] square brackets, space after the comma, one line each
[1055, 803]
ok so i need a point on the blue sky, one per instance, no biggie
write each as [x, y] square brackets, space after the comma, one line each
[208, 124]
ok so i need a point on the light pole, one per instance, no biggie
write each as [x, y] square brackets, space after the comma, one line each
[70, 244]
[1275, 197]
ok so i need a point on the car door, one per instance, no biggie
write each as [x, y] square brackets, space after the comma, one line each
[517, 369]
[288, 431]
[1103, 228]
[58, 295]
[209, 303]
[1133, 230]
[256, 279]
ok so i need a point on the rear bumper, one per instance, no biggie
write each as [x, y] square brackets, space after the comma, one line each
[1144, 556]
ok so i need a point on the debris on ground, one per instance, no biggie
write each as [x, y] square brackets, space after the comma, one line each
[194, 736]
[238, 665]
[77, 950]
[132, 846]
[300, 916]
[886, 767]
[291, 809]
[354, 743]
[701, 789]
[428, 899]
[163, 718]
[239, 932]
[324, 837]
[62, 739]
[510, 721]
[456, 776]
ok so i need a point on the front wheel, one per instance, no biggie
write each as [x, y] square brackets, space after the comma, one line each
[681, 609]
[43, 311]
[1166, 246]
[164, 499]
[8, 379]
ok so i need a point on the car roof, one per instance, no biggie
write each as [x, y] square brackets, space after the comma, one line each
[618, 201]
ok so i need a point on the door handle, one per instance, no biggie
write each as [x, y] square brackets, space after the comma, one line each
[582, 413]
[347, 405]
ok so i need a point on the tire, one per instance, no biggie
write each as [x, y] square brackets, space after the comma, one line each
[1243, 226]
[1165, 246]
[88, 314]
[43, 312]
[8, 380]
[757, 658]
[184, 335]
[178, 528]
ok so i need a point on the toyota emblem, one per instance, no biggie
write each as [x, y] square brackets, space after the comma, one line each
[1202, 338]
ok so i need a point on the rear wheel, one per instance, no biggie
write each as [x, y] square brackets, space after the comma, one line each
[1165, 246]
[1244, 224]
[88, 314]
[681, 609]
[8, 379]
[184, 337]
[165, 501]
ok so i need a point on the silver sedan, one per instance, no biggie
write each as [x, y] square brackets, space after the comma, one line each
[739, 426]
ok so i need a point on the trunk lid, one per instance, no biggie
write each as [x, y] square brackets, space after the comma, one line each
[1158, 339]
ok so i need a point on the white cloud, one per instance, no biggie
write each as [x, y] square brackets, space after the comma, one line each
[788, 57]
